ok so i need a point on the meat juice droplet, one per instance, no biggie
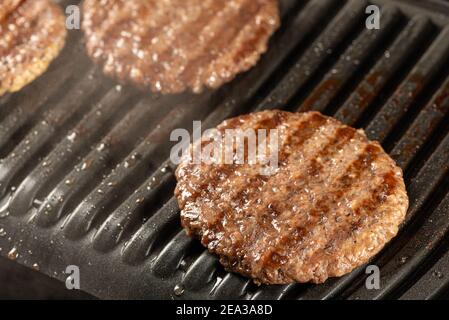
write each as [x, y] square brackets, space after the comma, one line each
[4, 214]
[183, 265]
[178, 290]
[13, 254]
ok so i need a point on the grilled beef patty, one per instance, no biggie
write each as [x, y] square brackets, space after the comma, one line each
[334, 202]
[169, 46]
[8, 6]
[32, 33]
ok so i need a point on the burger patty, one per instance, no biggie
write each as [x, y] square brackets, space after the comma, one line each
[169, 46]
[32, 33]
[7, 6]
[335, 200]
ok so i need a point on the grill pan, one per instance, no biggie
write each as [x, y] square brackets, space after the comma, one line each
[85, 178]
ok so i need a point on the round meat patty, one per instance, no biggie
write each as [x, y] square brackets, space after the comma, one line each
[335, 200]
[169, 46]
[32, 33]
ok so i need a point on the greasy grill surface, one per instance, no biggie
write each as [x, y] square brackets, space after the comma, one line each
[85, 179]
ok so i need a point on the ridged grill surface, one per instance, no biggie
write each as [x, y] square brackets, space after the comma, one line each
[85, 178]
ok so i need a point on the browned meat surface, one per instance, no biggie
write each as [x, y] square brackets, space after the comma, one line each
[6, 6]
[169, 46]
[334, 202]
[32, 33]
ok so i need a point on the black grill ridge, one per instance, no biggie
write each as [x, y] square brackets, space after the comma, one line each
[85, 180]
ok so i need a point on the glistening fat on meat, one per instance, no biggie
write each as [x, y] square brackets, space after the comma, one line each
[32, 33]
[335, 200]
[170, 46]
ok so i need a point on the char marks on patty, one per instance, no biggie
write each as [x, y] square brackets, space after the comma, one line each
[335, 200]
[169, 46]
